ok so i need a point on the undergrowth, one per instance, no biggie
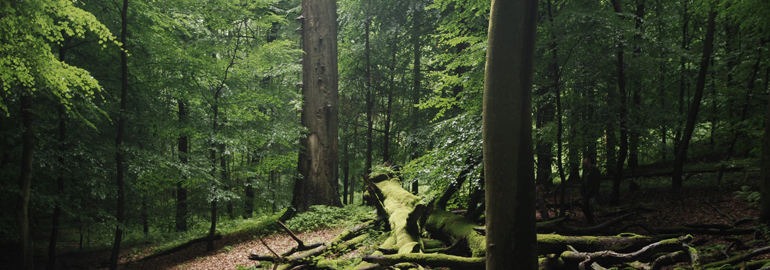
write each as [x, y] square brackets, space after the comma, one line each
[321, 216]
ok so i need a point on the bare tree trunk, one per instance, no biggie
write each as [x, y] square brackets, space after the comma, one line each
[692, 116]
[764, 182]
[318, 162]
[119, 140]
[51, 263]
[181, 190]
[417, 79]
[25, 181]
[507, 136]
[623, 151]
[369, 100]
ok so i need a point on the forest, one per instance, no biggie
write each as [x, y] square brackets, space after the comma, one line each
[400, 134]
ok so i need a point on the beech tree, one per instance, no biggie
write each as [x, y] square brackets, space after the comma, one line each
[507, 136]
[317, 162]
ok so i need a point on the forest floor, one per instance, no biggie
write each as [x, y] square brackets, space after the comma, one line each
[696, 203]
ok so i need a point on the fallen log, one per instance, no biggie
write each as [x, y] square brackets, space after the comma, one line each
[586, 259]
[452, 228]
[179, 247]
[431, 260]
[737, 259]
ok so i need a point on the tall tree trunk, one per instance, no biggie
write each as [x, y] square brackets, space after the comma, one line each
[51, 263]
[692, 116]
[369, 100]
[388, 106]
[181, 190]
[623, 112]
[545, 115]
[416, 80]
[345, 173]
[683, 82]
[317, 164]
[633, 133]
[119, 139]
[507, 136]
[355, 177]
[25, 181]
[213, 158]
[764, 182]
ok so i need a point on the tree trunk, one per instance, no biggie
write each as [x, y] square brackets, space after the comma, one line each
[369, 100]
[119, 139]
[25, 181]
[692, 116]
[764, 182]
[51, 264]
[345, 173]
[507, 136]
[181, 190]
[633, 133]
[417, 80]
[623, 151]
[317, 164]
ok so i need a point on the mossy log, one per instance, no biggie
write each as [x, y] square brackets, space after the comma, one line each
[430, 260]
[736, 260]
[404, 213]
[586, 259]
[453, 228]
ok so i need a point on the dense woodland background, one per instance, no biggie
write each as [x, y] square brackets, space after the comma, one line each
[198, 102]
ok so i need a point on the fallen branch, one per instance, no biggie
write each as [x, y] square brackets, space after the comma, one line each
[179, 247]
[611, 257]
[431, 260]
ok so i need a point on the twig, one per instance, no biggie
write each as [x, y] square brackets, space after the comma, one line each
[278, 259]
[300, 244]
[719, 211]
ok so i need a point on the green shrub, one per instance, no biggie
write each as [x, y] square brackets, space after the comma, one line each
[321, 216]
[750, 197]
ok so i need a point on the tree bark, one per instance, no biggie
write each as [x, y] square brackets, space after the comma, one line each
[417, 80]
[507, 136]
[764, 178]
[623, 112]
[692, 116]
[317, 164]
[119, 218]
[25, 179]
[181, 190]
[51, 263]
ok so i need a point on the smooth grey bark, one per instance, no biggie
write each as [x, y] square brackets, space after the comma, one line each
[507, 136]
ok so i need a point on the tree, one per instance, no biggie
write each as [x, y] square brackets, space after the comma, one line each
[692, 115]
[317, 163]
[119, 152]
[507, 136]
[27, 65]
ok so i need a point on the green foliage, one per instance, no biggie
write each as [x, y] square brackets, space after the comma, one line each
[28, 29]
[321, 216]
[748, 196]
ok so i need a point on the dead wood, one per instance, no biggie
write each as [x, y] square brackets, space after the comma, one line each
[737, 259]
[607, 257]
[705, 229]
[430, 260]
[180, 247]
